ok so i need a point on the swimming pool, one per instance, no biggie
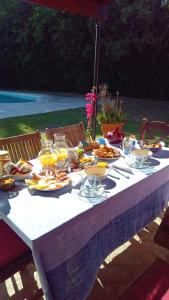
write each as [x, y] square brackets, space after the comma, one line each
[17, 97]
[14, 103]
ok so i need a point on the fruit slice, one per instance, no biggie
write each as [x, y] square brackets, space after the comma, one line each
[31, 182]
[102, 164]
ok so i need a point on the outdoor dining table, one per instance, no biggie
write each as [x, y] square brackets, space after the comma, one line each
[70, 238]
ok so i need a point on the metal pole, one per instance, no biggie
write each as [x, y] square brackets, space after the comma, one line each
[96, 73]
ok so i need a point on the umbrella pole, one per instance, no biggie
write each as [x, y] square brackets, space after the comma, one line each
[96, 73]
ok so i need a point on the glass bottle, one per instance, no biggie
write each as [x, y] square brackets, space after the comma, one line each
[47, 155]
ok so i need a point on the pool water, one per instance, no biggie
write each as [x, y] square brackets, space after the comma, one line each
[14, 97]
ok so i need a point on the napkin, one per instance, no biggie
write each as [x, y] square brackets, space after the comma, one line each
[76, 177]
[122, 165]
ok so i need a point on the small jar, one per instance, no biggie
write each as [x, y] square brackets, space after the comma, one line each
[4, 158]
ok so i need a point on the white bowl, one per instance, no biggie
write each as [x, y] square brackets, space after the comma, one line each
[99, 172]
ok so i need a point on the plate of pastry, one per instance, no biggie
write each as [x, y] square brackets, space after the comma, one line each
[47, 184]
[107, 153]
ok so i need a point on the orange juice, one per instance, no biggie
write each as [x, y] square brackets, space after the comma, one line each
[62, 154]
[48, 160]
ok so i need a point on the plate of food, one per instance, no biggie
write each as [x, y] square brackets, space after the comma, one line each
[47, 184]
[153, 147]
[107, 153]
[86, 161]
[19, 171]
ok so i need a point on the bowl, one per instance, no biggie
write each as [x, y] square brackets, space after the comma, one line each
[6, 184]
[154, 147]
[97, 171]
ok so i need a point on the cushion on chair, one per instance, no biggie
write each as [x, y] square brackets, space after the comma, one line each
[11, 246]
[152, 284]
[162, 235]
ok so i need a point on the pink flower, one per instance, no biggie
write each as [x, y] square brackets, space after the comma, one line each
[93, 97]
[87, 97]
[89, 110]
[90, 97]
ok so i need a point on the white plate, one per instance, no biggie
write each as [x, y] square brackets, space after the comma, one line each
[21, 177]
[18, 177]
[51, 189]
[102, 196]
[143, 166]
[108, 158]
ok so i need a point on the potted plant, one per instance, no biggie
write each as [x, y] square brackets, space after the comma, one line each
[111, 114]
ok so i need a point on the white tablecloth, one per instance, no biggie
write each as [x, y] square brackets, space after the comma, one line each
[59, 227]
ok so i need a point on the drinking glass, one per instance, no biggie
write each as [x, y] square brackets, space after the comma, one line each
[127, 145]
[91, 186]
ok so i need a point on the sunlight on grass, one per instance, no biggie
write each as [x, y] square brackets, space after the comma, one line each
[22, 127]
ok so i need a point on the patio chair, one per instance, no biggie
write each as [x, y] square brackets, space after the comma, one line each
[161, 236]
[26, 146]
[152, 284]
[153, 130]
[15, 255]
[73, 133]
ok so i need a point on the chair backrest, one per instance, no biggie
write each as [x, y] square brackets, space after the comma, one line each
[25, 146]
[153, 130]
[73, 133]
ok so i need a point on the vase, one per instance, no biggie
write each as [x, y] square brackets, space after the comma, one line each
[106, 127]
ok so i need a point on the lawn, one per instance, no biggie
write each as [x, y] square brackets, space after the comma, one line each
[26, 124]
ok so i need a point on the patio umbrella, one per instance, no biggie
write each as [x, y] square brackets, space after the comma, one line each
[91, 8]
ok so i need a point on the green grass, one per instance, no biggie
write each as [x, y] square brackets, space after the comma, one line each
[27, 124]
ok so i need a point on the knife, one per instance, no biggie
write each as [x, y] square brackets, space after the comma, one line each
[119, 172]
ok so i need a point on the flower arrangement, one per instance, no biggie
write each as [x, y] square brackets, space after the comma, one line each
[91, 100]
[111, 109]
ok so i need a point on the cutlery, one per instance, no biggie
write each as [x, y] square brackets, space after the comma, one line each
[113, 176]
[120, 173]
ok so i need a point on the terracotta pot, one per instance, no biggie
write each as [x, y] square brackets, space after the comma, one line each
[106, 127]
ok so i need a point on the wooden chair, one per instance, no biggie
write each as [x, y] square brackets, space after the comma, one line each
[25, 146]
[73, 133]
[153, 130]
[14, 255]
[161, 236]
[152, 284]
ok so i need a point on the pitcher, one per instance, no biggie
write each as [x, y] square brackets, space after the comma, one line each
[61, 145]
[47, 156]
